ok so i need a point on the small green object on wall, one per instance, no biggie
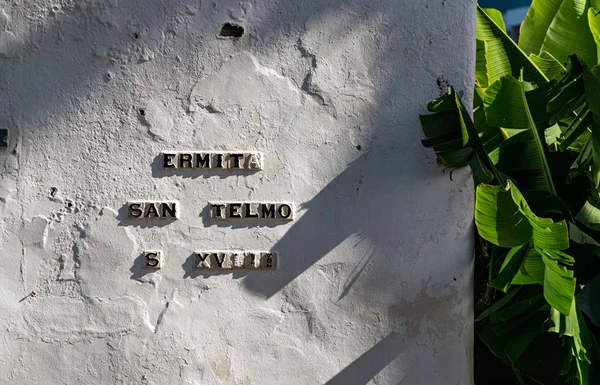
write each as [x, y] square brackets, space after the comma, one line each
[3, 138]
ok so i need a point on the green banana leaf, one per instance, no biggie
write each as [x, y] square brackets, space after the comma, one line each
[531, 271]
[506, 106]
[548, 64]
[535, 128]
[569, 33]
[589, 214]
[503, 217]
[539, 267]
[594, 22]
[481, 75]
[536, 24]
[449, 130]
[512, 263]
[559, 283]
[502, 55]
[499, 219]
[569, 325]
[588, 299]
[591, 81]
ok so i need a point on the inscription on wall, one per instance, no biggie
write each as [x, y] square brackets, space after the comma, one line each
[236, 260]
[251, 210]
[152, 210]
[212, 160]
[153, 259]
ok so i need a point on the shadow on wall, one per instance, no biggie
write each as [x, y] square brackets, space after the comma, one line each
[367, 366]
[361, 201]
[369, 199]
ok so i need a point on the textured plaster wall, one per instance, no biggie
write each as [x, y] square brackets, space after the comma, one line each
[374, 284]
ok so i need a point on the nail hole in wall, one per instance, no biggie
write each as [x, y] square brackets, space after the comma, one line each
[231, 30]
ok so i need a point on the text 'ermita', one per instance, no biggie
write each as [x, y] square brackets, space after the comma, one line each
[212, 160]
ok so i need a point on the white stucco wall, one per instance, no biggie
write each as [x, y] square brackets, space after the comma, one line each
[374, 278]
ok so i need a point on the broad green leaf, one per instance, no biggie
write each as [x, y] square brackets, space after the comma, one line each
[520, 153]
[537, 100]
[594, 22]
[577, 127]
[567, 101]
[511, 325]
[478, 96]
[448, 130]
[443, 103]
[547, 234]
[588, 300]
[481, 75]
[503, 56]
[581, 163]
[496, 16]
[571, 91]
[547, 205]
[588, 161]
[487, 334]
[491, 137]
[445, 140]
[504, 218]
[442, 123]
[573, 330]
[591, 86]
[569, 327]
[569, 33]
[548, 64]
[551, 136]
[558, 320]
[512, 263]
[574, 68]
[595, 145]
[443, 143]
[532, 270]
[568, 111]
[559, 283]
[497, 305]
[553, 236]
[579, 236]
[481, 172]
[499, 219]
[506, 106]
[536, 23]
[467, 129]
[592, 97]
[541, 360]
[510, 132]
[455, 158]
[515, 347]
[592, 352]
[517, 307]
[589, 214]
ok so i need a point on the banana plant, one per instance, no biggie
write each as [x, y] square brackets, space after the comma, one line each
[533, 145]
